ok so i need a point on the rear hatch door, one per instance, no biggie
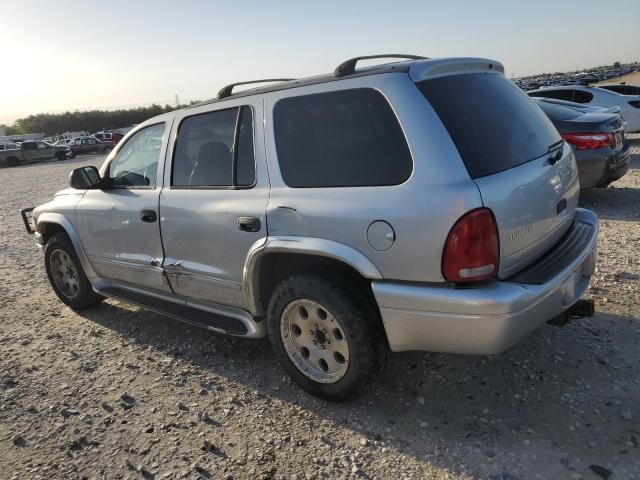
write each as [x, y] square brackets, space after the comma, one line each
[525, 173]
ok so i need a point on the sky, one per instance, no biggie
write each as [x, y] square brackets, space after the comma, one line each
[75, 55]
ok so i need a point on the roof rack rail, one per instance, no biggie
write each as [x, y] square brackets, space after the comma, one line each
[227, 90]
[348, 67]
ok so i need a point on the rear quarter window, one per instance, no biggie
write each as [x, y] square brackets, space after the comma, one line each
[493, 123]
[347, 138]
[581, 96]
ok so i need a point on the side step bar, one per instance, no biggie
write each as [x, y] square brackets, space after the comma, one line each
[186, 313]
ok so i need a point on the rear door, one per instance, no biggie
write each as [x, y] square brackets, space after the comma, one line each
[214, 201]
[525, 173]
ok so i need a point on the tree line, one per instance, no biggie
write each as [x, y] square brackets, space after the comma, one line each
[90, 120]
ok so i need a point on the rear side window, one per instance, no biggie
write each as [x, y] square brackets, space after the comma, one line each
[582, 97]
[215, 149]
[348, 138]
[493, 123]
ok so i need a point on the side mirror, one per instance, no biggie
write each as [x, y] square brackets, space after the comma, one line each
[85, 177]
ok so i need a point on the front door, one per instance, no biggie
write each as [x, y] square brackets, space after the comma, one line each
[214, 201]
[119, 225]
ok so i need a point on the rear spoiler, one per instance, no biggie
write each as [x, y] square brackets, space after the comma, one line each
[440, 67]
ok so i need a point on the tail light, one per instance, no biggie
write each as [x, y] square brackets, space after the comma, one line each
[472, 250]
[588, 141]
[635, 103]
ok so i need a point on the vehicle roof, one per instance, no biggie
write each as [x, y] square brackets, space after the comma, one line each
[424, 67]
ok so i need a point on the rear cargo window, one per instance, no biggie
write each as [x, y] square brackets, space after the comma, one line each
[348, 138]
[494, 124]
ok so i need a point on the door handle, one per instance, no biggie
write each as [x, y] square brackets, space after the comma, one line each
[249, 224]
[148, 215]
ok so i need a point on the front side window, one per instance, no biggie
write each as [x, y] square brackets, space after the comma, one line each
[136, 163]
[347, 138]
[215, 149]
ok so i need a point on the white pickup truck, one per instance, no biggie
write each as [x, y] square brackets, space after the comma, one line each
[32, 151]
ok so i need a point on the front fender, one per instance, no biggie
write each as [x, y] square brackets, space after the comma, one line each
[59, 219]
[299, 245]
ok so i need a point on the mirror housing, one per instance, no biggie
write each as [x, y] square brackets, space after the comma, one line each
[84, 178]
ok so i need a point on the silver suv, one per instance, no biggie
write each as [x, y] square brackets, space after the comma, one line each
[426, 204]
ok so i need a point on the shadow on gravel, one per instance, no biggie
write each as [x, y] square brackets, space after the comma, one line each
[553, 395]
[613, 203]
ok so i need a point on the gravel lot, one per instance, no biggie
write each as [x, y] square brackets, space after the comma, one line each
[119, 392]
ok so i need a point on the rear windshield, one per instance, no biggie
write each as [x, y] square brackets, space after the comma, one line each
[494, 124]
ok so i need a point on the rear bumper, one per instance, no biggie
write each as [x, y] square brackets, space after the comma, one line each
[599, 167]
[487, 318]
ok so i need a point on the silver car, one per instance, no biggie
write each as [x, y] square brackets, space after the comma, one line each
[426, 204]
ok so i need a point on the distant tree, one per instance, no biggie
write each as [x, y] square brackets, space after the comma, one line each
[616, 65]
[91, 120]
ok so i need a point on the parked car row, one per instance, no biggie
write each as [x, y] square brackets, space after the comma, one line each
[428, 204]
[31, 151]
[594, 96]
[575, 78]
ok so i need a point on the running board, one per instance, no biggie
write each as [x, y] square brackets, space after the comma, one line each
[180, 311]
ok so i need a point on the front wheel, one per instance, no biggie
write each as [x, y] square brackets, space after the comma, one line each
[327, 335]
[66, 275]
[61, 156]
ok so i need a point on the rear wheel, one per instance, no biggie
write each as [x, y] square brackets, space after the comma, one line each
[61, 156]
[326, 334]
[66, 275]
[13, 161]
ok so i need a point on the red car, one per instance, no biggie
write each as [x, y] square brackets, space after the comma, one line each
[110, 138]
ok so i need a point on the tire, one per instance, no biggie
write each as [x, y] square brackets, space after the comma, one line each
[61, 156]
[349, 316]
[13, 162]
[66, 275]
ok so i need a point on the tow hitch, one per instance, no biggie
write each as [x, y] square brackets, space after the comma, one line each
[580, 309]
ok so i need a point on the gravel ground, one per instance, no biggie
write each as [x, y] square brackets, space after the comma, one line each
[119, 392]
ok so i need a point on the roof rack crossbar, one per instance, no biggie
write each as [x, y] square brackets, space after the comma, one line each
[349, 66]
[227, 90]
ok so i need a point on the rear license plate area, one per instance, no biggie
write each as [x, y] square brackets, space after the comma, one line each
[617, 136]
